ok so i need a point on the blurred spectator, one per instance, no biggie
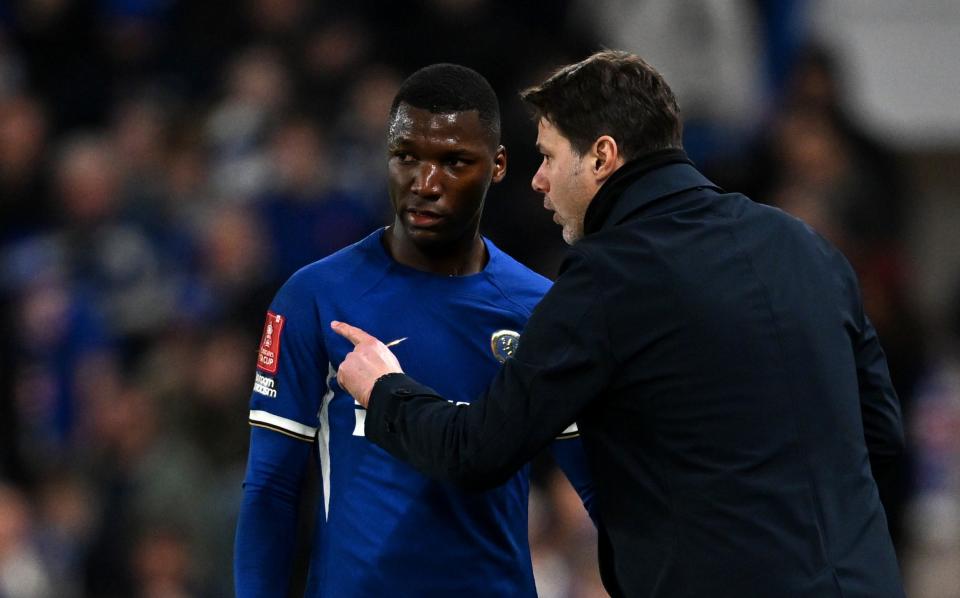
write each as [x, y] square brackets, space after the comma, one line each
[65, 523]
[934, 513]
[162, 563]
[138, 131]
[24, 202]
[279, 22]
[147, 473]
[216, 423]
[813, 142]
[333, 52]
[108, 256]
[234, 282]
[305, 217]
[22, 573]
[812, 155]
[707, 49]
[257, 89]
[935, 510]
[217, 398]
[359, 137]
[132, 35]
[54, 332]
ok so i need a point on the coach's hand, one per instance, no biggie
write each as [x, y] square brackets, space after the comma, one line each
[362, 367]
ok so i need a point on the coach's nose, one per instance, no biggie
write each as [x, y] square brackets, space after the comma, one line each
[540, 183]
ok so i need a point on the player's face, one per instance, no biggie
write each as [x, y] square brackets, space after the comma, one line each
[564, 179]
[440, 166]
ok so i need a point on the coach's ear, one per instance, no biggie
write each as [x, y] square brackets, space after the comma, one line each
[605, 158]
[499, 164]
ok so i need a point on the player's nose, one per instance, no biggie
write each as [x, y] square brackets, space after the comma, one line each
[426, 181]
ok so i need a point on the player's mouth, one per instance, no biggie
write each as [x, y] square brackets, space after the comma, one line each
[423, 218]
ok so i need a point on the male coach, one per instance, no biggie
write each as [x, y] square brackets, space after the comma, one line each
[731, 394]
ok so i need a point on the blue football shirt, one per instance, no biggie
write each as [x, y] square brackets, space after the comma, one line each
[383, 528]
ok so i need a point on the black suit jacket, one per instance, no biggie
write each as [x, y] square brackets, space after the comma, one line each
[730, 392]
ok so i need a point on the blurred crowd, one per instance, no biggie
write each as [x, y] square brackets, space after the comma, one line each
[165, 165]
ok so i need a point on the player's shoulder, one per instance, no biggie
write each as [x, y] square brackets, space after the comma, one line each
[343, 269]
[349, 261]
[515, 280]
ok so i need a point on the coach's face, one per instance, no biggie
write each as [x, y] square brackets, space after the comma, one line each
[440, 167]
[565, 179]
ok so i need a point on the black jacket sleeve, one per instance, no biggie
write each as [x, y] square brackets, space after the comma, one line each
[879, 405]
[562, 363]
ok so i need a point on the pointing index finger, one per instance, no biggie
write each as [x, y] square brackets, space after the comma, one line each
[351, 333]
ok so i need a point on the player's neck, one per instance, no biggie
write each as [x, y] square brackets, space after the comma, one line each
[460, 258]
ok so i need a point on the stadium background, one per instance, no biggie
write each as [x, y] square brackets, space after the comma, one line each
[166, 164]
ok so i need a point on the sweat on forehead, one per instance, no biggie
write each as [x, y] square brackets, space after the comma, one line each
[409, 121]
[447, 88]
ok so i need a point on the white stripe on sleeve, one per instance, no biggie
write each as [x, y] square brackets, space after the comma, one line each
[275, 421]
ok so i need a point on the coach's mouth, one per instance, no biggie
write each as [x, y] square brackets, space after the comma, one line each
[548, 205]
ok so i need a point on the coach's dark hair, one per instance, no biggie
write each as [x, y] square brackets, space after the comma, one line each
[442, 88]
[610, 93]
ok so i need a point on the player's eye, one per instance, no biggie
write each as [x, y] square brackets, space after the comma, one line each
[404, 157]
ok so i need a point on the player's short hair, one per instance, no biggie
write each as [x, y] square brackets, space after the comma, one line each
[444, 88]
[610, 93]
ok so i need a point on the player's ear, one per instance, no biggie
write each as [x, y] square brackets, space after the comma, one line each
[499, 164]
[606, 157]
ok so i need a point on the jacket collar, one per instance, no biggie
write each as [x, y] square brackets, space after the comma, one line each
[648, 178]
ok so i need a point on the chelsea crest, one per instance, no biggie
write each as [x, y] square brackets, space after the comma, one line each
[504, 343]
